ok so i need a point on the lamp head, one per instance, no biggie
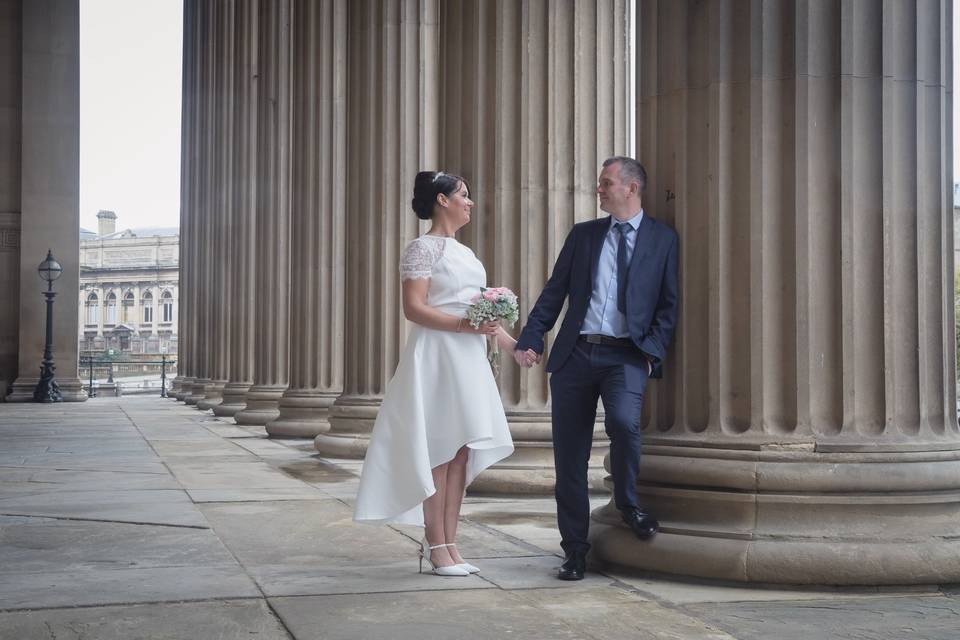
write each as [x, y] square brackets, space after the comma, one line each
[50, 269]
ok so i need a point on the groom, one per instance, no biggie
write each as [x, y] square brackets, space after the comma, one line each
[620, 276]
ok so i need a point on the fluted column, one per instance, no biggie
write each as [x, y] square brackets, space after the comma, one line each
[317, 219]
[200, 298]
[186, 366]
[272, 290]
[392, 132]
[46, 173]
[241, 255]
[806, 431]
[221, 204]
[534, 101]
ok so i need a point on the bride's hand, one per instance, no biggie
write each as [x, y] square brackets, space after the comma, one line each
[485, 328]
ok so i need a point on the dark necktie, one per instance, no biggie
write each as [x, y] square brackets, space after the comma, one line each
[623, 264]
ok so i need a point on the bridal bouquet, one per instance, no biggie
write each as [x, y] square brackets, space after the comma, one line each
[493, 305]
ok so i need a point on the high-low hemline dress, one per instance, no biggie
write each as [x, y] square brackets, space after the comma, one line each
[443, 395]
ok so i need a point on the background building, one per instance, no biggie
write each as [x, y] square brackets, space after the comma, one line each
[128, 288]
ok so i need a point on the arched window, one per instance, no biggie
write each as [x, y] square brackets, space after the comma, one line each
[147, 308]
[167, 301]
[111, 308]
[93, 309]
[127, 315]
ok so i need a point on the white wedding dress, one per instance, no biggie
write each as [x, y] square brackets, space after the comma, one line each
[442, 396]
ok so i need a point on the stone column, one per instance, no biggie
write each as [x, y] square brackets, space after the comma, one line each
[221, 208]
[535, 99]
[272, 290]
[241, 258]
[393, 96]
[318, 214]
[49, 191]
[200, 226]
[806, 431]
[186, 320]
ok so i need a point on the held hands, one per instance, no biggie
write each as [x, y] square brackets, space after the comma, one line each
[528, 358]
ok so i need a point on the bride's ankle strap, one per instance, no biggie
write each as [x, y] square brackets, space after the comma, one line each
[437, 546]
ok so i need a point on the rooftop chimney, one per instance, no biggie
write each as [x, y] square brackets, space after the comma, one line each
[106, 222]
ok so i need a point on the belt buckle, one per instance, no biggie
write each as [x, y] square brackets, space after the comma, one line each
[594, 338]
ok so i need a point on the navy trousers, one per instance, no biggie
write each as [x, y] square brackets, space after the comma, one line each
[618, 376]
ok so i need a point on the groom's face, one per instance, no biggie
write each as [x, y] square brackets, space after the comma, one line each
[612, 192]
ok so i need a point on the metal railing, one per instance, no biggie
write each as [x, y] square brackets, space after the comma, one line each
[131, 373]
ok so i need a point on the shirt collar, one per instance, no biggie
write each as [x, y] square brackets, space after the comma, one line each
[633, 222]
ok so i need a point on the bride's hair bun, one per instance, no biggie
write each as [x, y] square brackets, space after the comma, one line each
[426, 187]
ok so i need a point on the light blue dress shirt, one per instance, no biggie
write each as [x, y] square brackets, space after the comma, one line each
[602, 315]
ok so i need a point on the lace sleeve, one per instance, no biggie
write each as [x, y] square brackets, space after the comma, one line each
[419, 257]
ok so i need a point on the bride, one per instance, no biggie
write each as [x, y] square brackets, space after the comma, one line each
[441, 422]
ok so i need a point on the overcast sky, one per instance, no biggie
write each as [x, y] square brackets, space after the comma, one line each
[130, 58]
[130, 66]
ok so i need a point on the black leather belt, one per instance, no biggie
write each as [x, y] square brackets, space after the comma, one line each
[596, 338]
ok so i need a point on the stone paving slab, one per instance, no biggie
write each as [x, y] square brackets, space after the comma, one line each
[681, 591]
[134, 506]
[29, 545]
[249, 473]
[87, 586]
[395, 577]
[229, 619]
[881, 618]
[40, 480]
[256, 495]
[306, 533]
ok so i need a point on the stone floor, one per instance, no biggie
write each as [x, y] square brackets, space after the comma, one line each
[142, 518]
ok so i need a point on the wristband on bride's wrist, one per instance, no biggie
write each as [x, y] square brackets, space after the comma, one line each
[459, 325]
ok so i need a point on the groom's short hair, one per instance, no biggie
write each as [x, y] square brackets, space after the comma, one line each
[630, 170]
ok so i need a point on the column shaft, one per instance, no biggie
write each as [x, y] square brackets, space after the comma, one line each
[221, 208]
[241, 255]
[391, 134]
[535, 100]
[272, 291]
[318, 215]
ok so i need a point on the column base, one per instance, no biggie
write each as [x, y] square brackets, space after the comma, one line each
[174, 389]
[234, 399]
[197, 391]
[824, 515]
[183, 390]
[530, 470]
[71, 389]
[351, 422]
[304, 413]
[213, 395]
[262, 405]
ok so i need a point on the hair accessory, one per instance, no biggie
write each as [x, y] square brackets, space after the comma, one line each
[438, 176]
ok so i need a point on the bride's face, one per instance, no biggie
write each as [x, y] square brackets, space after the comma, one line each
[458, 206]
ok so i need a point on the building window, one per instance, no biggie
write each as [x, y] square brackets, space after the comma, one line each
[93, 309]
[127, 314]
[147, 308]
[167, 307]
[112, 308]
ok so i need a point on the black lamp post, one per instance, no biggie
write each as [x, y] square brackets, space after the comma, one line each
[47, 389]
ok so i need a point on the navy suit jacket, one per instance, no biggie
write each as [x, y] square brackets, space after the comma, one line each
[651, 292]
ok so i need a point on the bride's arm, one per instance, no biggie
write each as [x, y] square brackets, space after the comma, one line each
[506, 341]
[416, 309]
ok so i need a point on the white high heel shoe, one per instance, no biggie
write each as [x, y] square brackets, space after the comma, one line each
[466, 566]
[453, 570]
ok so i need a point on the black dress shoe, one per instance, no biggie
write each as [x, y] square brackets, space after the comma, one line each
[642, 523]
[573, 566]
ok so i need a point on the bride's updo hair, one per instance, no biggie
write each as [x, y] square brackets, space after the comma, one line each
[426, 187]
